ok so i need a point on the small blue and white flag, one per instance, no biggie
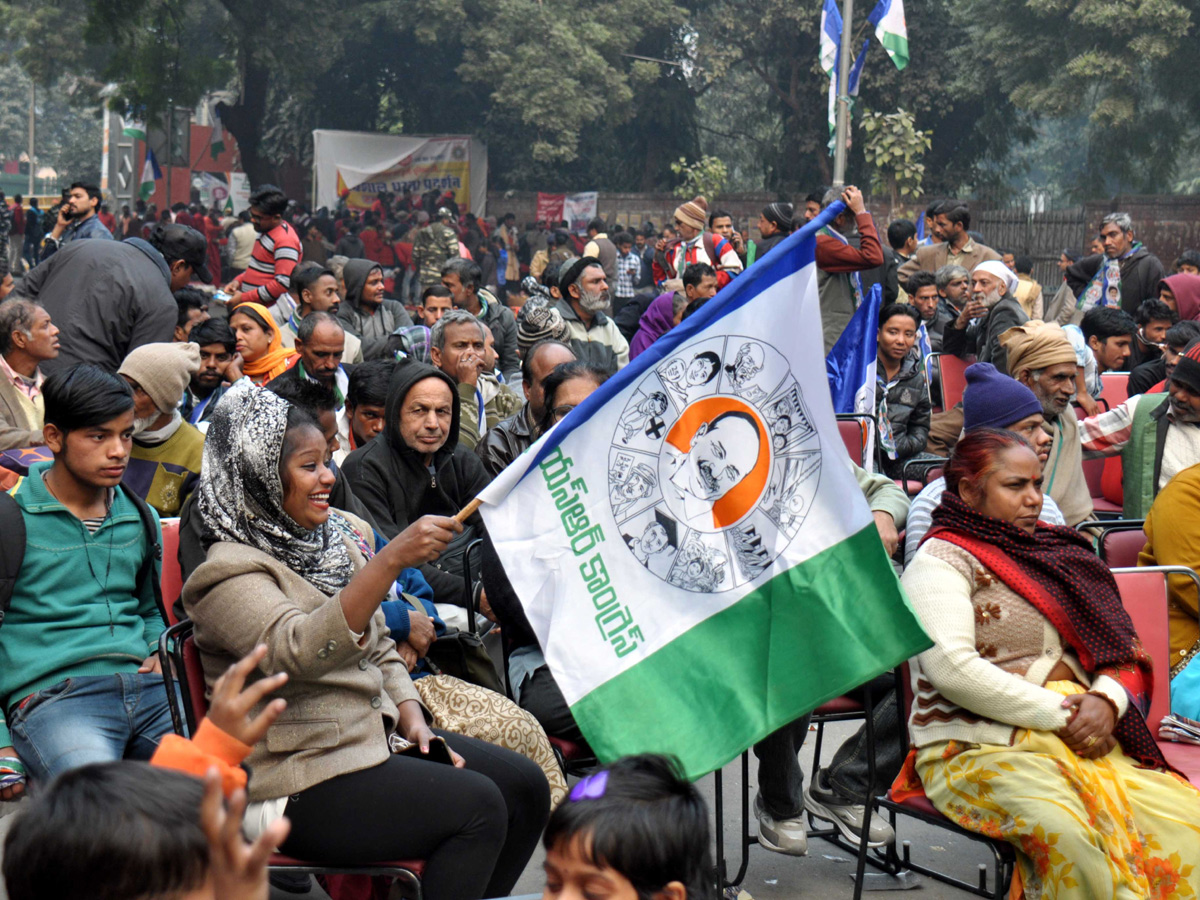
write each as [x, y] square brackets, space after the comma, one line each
[697, 514]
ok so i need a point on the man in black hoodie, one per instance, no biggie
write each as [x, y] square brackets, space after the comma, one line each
[367, 314]
[418, 467]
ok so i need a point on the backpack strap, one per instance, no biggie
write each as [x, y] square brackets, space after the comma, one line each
[154, 540]
[12, 549]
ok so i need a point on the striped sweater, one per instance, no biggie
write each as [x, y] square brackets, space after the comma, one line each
[272, 260]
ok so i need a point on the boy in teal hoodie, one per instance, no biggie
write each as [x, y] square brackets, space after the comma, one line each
[79, 679]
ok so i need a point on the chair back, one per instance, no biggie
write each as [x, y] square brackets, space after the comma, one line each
[1144, 596]
[177, 652]
[172, 575]
[953, 378]
[1120, 545]
[1114, 387]
[1112, 481]
[853, 435]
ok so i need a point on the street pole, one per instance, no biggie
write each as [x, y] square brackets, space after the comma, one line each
[32, 127]
[842, 129]
[170, 149]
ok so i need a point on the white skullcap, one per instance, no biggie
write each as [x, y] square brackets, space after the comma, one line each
[999, 270]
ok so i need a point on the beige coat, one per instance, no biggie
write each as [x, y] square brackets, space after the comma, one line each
[342, 697]
[932, 257]
[20, 417]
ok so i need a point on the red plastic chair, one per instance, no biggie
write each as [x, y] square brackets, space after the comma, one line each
[953, 378]
[172, 575]
[1115, 388]
[854, 436]
[1121, 541]
[1093, 472]
[177, 647]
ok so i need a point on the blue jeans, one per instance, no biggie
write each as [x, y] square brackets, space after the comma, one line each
[97, 718]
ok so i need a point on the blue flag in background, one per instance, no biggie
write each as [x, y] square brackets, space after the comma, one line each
[850, 365]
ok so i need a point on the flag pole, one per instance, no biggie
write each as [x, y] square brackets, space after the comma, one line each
[842, 129]
[467, 511]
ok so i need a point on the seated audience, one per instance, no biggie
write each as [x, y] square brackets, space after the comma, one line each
[954, 290]
[540, 322]
[164, 464]
[1172, 540]
[636, 828]
[458, 346]
[284, 569]
[416, 467]
[1151, 377]
[27, 338]
[320, 348]
[462, 278]
[1156, 435]
[435, 303]
[193, 309]
[1181, 292]
[365, 312]
[314, 288]
[990, 312]
[529, 679]
[991, 400]
[1102, 342]
[902, 405]
[666, 310]
[366, 400]
[205, 389]
[1153, 318]
[80, 679]
[922, 293]
[584, 306]
[1042, 359]
[1034, 687]
[259, 343]
[511, 437]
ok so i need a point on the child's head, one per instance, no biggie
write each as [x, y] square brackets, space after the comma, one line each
[110, 831]
[635, 830]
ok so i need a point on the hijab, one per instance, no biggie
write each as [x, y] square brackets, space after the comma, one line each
[275, 360]
[241, 493]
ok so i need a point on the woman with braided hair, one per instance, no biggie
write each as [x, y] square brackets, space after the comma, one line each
[1028, 712]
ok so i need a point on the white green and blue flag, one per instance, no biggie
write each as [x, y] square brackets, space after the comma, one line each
[150, 174]
[690, 544]
[891, 29]
[134, 128]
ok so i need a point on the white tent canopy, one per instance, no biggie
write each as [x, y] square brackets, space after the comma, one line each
[360, 157]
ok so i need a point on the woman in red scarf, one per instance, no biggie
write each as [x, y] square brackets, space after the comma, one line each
[1027, 714]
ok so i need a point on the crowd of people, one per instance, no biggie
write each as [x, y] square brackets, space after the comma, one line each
[318, 396]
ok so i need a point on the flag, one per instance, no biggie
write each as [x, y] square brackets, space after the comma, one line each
[690, 545]
[216, 144]
[831, 35]
[891, 29]
[133, 128]
[850, 366]
[150, 174]
[856, 69]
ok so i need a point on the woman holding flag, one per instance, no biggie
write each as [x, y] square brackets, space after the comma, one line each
[1027, 714]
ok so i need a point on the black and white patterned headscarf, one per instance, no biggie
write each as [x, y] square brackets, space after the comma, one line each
[241, 494]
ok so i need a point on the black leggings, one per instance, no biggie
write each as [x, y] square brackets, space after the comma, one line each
[475, 828]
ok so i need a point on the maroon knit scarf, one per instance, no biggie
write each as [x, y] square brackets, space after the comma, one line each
[1056, 570]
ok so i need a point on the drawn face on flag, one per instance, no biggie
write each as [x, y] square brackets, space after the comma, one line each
[719, 452]
[733, 463]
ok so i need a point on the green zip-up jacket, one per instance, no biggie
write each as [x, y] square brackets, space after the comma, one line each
[74, 612]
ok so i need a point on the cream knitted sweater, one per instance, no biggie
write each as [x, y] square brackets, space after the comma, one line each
[993, 651]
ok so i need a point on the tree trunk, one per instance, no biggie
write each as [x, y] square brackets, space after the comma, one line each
[244, 120]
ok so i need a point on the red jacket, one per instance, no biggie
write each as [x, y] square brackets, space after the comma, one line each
[834, 256]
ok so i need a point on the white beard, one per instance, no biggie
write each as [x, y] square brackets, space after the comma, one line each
[140, 426]
[594, 303]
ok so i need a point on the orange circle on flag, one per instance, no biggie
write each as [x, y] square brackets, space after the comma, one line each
[742, 498]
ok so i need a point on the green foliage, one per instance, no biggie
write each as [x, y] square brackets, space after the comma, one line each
[894, 149]
[705, 177]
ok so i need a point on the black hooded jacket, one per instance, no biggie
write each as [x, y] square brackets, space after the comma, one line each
[394, 484]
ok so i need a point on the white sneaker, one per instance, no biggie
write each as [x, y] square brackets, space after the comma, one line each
[780, 835]
[848, 818]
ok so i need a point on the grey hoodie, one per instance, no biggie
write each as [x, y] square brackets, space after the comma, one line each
[372, 329]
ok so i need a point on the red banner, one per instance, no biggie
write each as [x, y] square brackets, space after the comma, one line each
[550, 207]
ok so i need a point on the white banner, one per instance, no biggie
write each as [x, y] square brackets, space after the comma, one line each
[579, 209]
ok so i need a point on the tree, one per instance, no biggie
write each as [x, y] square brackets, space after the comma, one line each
[1127, 65]
[894, 148]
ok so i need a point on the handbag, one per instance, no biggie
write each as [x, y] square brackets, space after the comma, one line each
[462, 655]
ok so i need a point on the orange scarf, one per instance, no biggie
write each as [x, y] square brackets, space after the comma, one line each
[275, 360]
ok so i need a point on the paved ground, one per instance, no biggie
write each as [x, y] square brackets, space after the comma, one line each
[824, 873]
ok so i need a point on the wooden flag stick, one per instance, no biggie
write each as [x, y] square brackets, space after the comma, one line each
[467, 511]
